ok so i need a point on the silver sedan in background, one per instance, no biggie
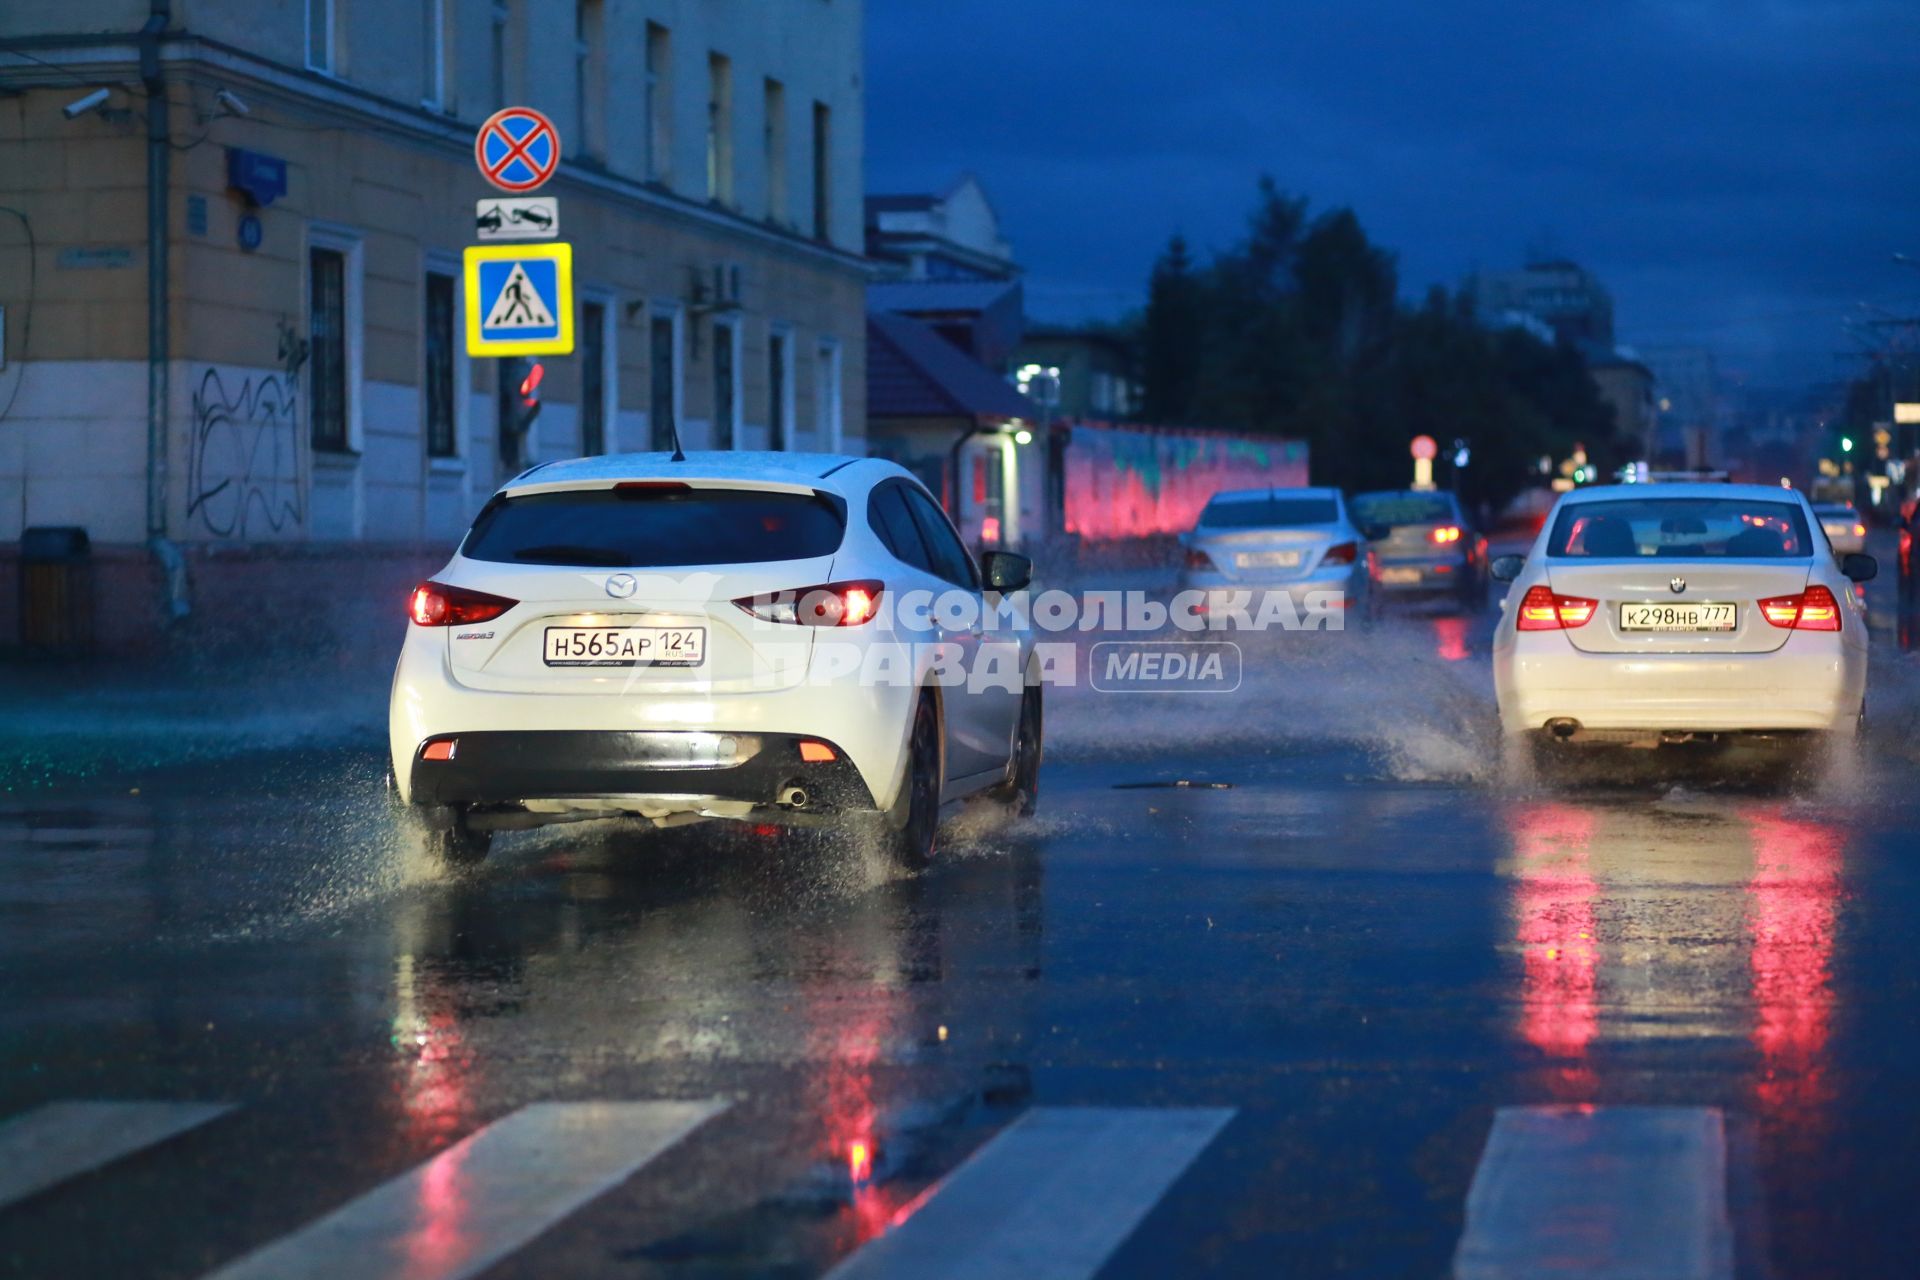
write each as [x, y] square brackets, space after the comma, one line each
[1296, 540]
[1844, 527]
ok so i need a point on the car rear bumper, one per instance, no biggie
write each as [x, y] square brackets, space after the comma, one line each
[654, 769]
[1814, 681]
[1423, 574]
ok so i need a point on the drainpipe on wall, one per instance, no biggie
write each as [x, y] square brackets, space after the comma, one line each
[172, 564]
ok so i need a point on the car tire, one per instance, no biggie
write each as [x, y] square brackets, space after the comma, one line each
[910, 829]
[1020, 793]
[451, 842]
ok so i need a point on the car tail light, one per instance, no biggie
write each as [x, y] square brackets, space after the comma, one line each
[1814, 609]
[435, 604]
[1542, 609]
[1198, 559]
[1341, 553]
[836, 604]
[1445, 533]
[1859, 531]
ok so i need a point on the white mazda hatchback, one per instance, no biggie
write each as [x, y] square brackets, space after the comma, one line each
[1666, 613]
[787, 638]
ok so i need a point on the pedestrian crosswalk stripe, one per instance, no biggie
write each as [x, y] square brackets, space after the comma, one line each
[48, 1145]
[1050, 1198]
[1600, 1193]
[481, 1198]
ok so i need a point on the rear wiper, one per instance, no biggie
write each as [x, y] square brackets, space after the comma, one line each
[567, 553]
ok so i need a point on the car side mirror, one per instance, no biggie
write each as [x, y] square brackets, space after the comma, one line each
[1859, 567]
[1506, 568]
[1007, 571]
[1377, 532]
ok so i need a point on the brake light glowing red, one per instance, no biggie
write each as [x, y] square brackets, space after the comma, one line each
[836, 604]
[1341, 553]
[1543, 609]
[990, 529]
[1445, 533]
[1814, 609]
[435, 604]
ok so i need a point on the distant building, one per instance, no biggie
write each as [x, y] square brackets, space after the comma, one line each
[1561, 295]
[1097, 379]
[1626, 385]
[1687, 399]
[951, 235]
[311, 397]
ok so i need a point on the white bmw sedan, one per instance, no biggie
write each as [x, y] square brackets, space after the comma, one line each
[787, 638]
[1664, 613]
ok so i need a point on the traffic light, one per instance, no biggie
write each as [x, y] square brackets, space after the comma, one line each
[520, 380]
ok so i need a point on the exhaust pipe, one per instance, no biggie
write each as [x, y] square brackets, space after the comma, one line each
[1563, 728]
[794, 796]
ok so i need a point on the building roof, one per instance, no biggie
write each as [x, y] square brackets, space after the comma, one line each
[937, 295]
[901, 203]
[913, 372]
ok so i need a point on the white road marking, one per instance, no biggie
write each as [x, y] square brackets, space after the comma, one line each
[1050, 1198]
[1601, 1193]
[482, 1198]
[48, 1145]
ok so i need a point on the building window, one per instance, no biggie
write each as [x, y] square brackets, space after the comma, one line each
[774, 145]
[663, 404]
[659, 127]
[590, 77]
[320, 35]
[435, 15]
[327, 349]
[502, 17]
[779, 390]
[726, 403]
[442, 438]
[822, 171]
[593, 378]
[720, 128]
[826, 396]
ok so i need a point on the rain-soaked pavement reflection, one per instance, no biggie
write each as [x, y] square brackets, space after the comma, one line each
[1362, 947]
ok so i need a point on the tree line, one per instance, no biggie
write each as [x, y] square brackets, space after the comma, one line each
[1298, 330]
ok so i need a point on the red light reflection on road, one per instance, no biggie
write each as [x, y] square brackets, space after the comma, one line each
[1792, 901]
[439, 1239]
[1450, 639]
[1554, 895]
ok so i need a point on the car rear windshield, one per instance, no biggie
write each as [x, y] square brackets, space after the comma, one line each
[1402, 508]
[645, 527]
[1267, 513]
[1681, 529]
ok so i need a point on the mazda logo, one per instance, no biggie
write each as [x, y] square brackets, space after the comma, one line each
[1676, 585]
[622, 585]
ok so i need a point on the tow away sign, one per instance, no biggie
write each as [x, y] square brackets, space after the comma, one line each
[525, 218]
[519, 299]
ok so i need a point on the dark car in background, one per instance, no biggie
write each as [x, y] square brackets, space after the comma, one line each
[1422, 545]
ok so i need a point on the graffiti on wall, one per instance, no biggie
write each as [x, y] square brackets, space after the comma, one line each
[1124, 482]
[243, 463]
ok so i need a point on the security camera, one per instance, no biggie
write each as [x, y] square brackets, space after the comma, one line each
[232, 101]
[80, 106]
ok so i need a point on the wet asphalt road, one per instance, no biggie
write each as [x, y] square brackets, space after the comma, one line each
[1363, 947]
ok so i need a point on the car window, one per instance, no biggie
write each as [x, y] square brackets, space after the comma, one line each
[648, 527]
[950, 557]
[1681, 528]
[1267, 513]
[893, 522]
[1404, 508]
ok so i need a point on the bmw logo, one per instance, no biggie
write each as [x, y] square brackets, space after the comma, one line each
[622, 585]
[1676, 585]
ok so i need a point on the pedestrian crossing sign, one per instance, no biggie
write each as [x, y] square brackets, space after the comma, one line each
[519, 299]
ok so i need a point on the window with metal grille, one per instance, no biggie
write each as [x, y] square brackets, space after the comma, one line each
[593, 378]
[327, 355]
[441, 438]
